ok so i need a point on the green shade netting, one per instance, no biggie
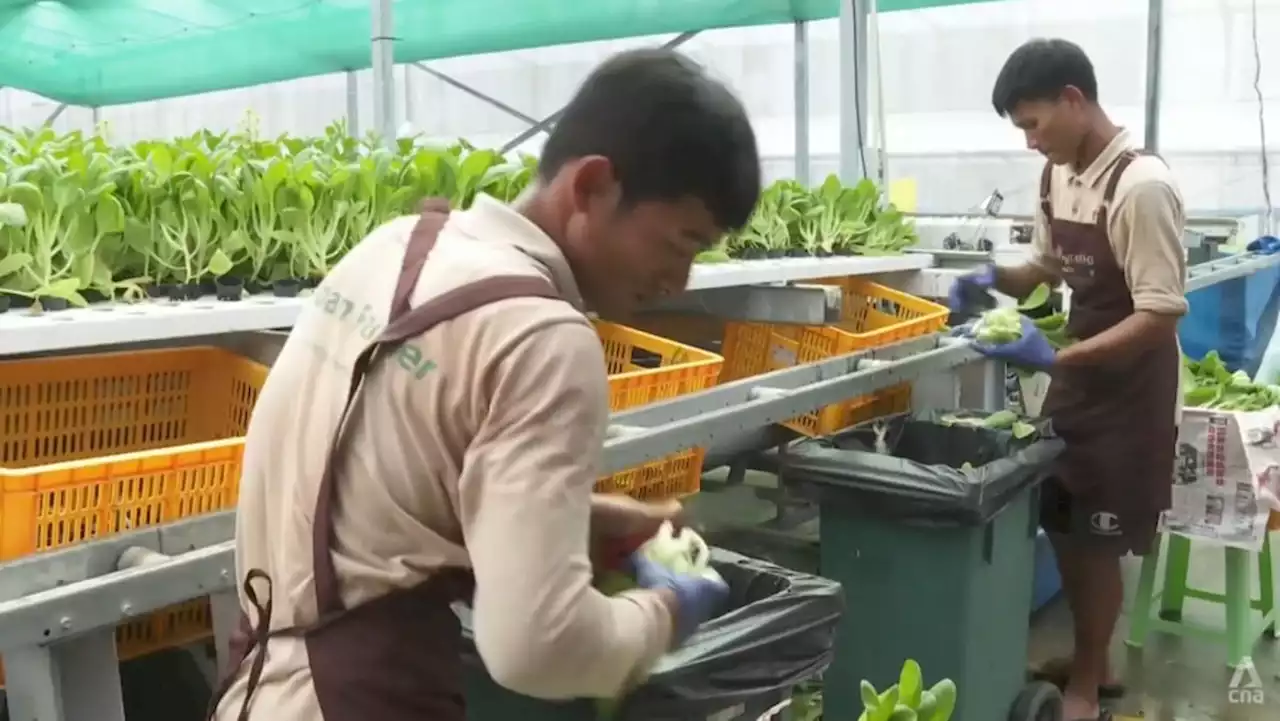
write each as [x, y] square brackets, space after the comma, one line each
[108, 52]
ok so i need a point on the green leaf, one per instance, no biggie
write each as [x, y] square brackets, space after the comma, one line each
[944, 692]
[1000, 419]
[888, 701]
[82, 268]
[928, 705]
[109, 215]
[1023, 430]
[870, 699]
[910, 684]
[1037, 298]
[12, 215]
[219, 263]
[14, 263]
[66, 288]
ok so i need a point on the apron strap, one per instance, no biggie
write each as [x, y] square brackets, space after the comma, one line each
[1046, 181]
[404, 323]
[1109, 193]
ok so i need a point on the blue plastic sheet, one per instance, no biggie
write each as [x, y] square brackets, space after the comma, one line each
[1237, 318]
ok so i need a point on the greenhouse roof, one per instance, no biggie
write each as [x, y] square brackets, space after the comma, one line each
[108, 52]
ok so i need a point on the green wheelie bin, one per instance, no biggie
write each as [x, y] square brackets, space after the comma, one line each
[932, 534]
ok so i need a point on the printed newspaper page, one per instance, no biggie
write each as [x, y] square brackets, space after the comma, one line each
[1226, 478]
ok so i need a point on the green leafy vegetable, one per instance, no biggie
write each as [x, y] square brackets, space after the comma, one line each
[998, 326]
[80, 215]
[907, 700]
[831, 219]
[1004, 325]
[684, 552]
[1207, 383]
[999, 420]
[716, 255]
[1036, 299]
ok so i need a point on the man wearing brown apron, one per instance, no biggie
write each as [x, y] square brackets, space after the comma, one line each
[1109, 226]
[431, 431]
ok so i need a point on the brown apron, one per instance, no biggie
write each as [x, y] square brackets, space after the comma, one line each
[1117, 421]
[396, 657]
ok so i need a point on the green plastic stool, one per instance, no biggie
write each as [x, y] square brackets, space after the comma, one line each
[1241, 632]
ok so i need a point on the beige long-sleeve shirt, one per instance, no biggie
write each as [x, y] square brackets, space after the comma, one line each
[477, 445]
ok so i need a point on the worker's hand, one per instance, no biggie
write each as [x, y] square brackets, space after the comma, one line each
[1266, 245]
[697, 597]
[977, 280]
[621, 524]
[614, 515]
[1031, 351]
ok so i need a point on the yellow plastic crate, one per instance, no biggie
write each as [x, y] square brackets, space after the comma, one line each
[872, 316]
[645, 368]
[98, 444]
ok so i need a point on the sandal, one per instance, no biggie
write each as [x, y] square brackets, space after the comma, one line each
[1056, 672]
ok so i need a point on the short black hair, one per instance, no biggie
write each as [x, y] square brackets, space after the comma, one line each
[1041, 69]
[670, 130]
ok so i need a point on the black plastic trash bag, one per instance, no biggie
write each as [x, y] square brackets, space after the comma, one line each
[777, 631]
[934, 470]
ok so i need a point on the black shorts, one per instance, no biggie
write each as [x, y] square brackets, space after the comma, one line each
[1091, 520]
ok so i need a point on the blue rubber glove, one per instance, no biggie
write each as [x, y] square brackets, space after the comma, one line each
[1266, 245]
[1031, 351]
[697, 598]
[983, 278]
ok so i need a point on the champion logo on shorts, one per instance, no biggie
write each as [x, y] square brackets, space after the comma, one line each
[1103, 523]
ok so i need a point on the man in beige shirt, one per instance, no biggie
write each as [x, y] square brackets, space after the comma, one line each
[1109, 225]
[467, 455]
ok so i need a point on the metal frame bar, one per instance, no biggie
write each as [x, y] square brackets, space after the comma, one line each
[66, 595]
[653, 431]
[801, 304]
[383, 48]
[545, 124]
[478, 95]
[57, 112]
[1155, 57]
[801, 110]
[854, 95]
[1204, 275]
[410, 107]
[353, 104]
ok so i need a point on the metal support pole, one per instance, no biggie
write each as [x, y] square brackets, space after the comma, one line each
[802, 102]
[55, 114]
[545, 124]
[993, 386]
[353, 104]
[384, 98]
[96, 116]
[452, 82]
[1155, 53]
[875, 91]
[854, 107]
[408, 95]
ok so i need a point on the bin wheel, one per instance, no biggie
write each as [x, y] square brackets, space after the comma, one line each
[1037, 701]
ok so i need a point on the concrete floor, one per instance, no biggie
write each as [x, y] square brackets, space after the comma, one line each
[1172, 679]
